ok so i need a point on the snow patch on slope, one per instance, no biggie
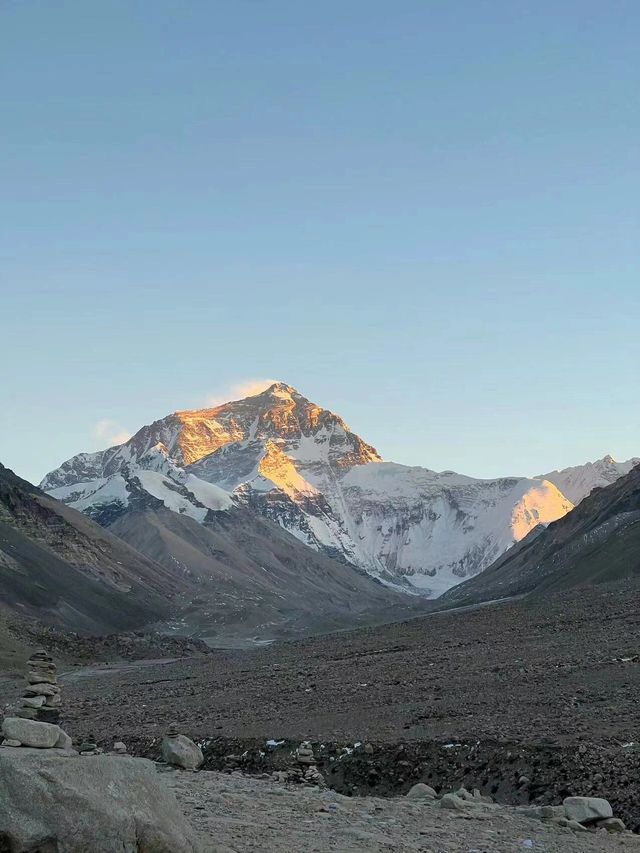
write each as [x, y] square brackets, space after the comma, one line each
[97, 493]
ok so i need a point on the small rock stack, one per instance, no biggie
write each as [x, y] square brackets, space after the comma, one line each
[89, 746]
[41, 697]
[307, 761]
[304, 754]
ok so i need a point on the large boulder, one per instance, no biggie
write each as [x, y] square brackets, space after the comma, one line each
[587, 810]
[31, 732]
[181, 751]
[57, 801]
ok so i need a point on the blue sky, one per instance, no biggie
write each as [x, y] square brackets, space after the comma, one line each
[423, 214]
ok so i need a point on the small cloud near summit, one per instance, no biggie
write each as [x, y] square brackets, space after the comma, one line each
[110, 433]
[239, 390]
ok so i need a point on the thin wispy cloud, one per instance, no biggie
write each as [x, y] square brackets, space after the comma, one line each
[108, 433]
[243, 388]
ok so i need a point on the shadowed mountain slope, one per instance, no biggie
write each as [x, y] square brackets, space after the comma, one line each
[598, 541]
[231, 574]
[249, 577]
[58, 565]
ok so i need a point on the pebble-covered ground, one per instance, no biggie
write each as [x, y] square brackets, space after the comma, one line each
[245, 815]
[563, 670]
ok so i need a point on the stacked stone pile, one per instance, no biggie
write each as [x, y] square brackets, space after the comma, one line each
[306, 773]
[304, 754]
[41, 697]
[89, 747]
[35, 724]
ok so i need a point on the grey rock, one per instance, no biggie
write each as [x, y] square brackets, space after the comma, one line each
[542, 812]
[119, 747]
[587, 809]
[33, 701]
[576, 826]
[55, 801]
[40, 666]
[454, 803]
[41, 654]
[27, 713]
[421, 791]
[612, 824]
[180, 751]
[464, 794]
[11, 742]
[48, 715]
[64, 741]
[42, 689]
[31, 732]
[39, 677]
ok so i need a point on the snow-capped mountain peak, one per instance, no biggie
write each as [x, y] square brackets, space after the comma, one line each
[299, 464]
[580, 480]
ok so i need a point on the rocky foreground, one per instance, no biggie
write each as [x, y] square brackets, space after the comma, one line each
[545, 692]
[55, 799]
[239, 814]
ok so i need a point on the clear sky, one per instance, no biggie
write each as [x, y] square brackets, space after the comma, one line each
[424, 214]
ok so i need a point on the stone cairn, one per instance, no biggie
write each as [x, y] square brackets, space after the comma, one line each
[41, 697]
[35, 723]
[306, 771]
[307, 762]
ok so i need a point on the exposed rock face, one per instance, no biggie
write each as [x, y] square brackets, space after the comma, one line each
[301, 466]
[49, 801]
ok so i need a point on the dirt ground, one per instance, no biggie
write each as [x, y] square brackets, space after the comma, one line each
[560, 671]
[546, 691]
[236, 814]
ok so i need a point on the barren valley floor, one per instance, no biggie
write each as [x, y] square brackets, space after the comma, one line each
[543, 691]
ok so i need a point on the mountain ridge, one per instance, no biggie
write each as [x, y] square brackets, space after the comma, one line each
[300, 465]
[578, 481]
[217, 570]
[599, 541]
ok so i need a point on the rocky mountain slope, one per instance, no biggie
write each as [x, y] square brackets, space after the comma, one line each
[60, 566]
[250, 579]
[580, 480]
[598, 541]
[300, 465]
[191, 561]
